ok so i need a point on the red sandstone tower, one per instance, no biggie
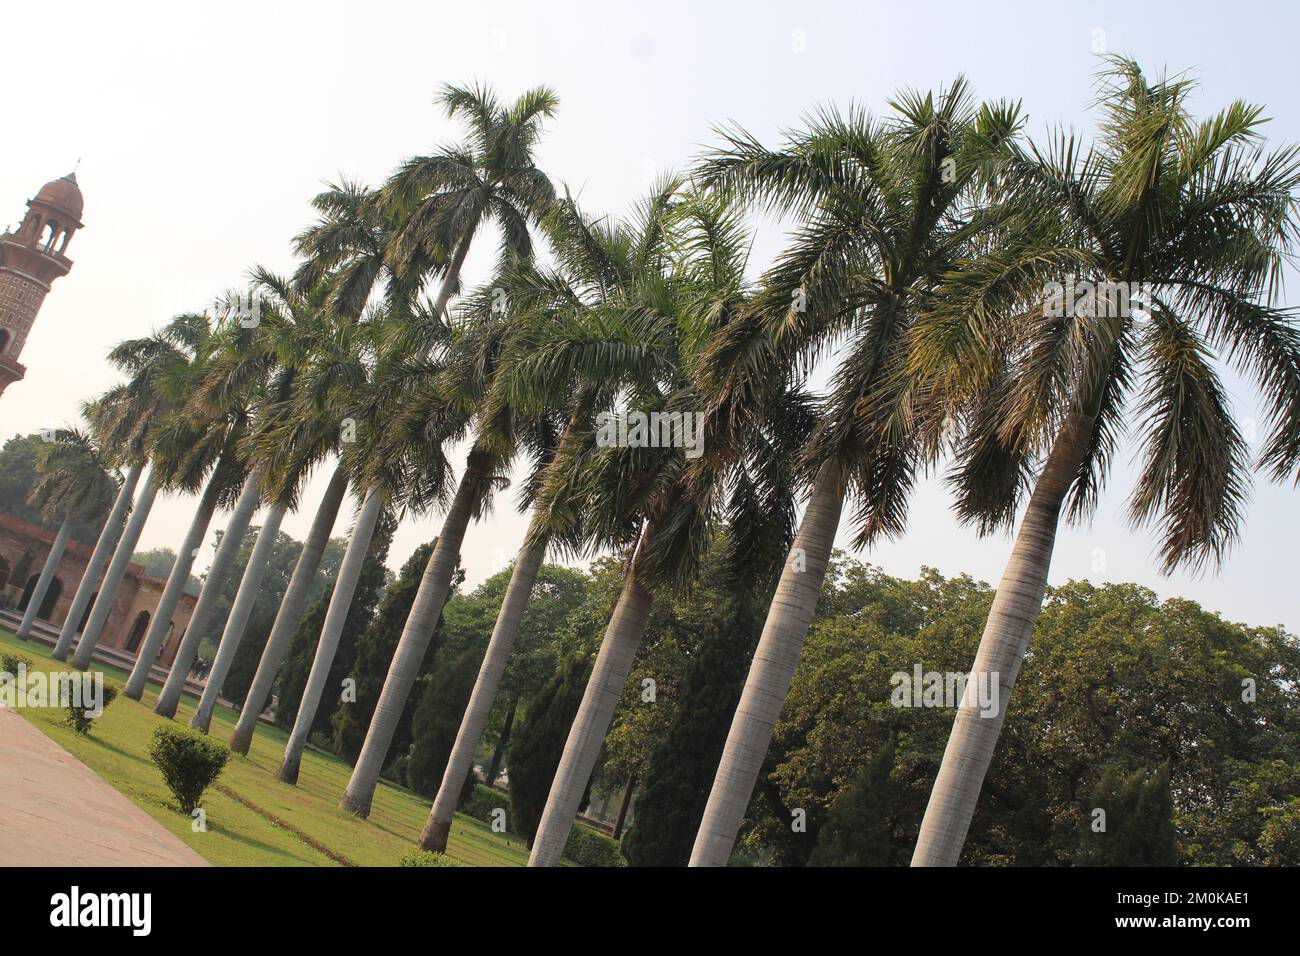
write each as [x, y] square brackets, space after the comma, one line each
[30, 260]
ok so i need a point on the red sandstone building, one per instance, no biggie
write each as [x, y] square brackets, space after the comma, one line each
[23, 550]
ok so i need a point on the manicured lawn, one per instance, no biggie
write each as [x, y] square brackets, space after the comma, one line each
[117, 749]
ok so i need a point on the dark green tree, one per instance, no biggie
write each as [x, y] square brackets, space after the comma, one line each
[442, 701]
[302, 652]
[857, 830]
[539, 742]
[1139, 821]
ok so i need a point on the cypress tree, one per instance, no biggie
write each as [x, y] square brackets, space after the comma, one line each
[539, 742]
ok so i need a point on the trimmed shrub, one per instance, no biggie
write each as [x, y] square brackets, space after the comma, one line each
[77, 717]
[190, 761]
[426, 858]
[586, 847]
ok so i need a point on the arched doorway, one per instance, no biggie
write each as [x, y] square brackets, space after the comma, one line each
[138, 627]
[28, 588]
[85, 618]
[52, 594]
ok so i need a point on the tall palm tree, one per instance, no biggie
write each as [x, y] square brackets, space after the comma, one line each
[347, 252]
[72, 483]
[245, 372]
[161, 367]
[108, 536]
[286, 443]
[412, 476]
[442, 201]
[663, 502]
[565, 345]
[1192, 223]
[886, 210]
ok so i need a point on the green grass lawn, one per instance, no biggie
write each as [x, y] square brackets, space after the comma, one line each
[117, 750]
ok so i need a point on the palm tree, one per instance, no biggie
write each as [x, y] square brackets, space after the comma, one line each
[441, 201]
[286, 443]
[412, 477]
[1181, 229]
[886, 212]
[245, 372]
[72, 482]
[161, 367]
[347, 252]
[108, 536]
[662, 502]
[562, 346]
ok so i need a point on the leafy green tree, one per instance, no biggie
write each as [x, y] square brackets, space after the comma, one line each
[158, 562]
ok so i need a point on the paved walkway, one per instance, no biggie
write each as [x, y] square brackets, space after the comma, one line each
[56, 811]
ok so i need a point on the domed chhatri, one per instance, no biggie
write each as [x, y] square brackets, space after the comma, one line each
[63, 194]
[31, 258]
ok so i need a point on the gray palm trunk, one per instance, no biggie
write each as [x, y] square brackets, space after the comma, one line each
[201, 620]
[345, 586]
[116, 571]
[460, 763]
[1002, 648]
[240, 611]
[291, 610]
[416, 634]
[98, 558]
[771, 671]
[47, 575]
[175, 587]
[623, 636]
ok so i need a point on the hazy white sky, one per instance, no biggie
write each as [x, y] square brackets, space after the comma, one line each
[203, 133]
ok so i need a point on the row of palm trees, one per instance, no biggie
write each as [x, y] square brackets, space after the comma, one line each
[923, 243]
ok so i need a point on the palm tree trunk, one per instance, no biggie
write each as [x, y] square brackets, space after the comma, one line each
[513, 605]
[453, 275]
[771, 671]
[1002, 649]
[116, 571]
[503, 742]
[604, 688]
[416, 634]
[90, 579]
[47, 575]
[170, 696]
[628, 789]
[237, 623]
[336, 616]
[291, 611]
[175, 587]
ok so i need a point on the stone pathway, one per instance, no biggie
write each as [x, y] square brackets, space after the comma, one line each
[56, 811]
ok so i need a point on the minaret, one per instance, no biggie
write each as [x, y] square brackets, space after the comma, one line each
[30, 260]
